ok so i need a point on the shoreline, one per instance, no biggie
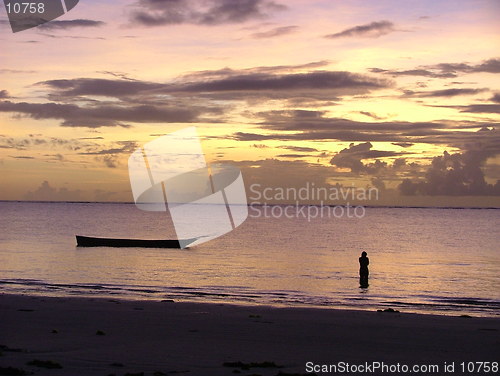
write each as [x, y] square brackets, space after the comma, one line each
[454, 307]
[103, 336]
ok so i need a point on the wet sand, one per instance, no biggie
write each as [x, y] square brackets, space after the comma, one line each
[100, 336]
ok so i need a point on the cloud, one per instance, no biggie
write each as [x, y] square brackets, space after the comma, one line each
[99, 87]
[371, 114]
[353, 156]
[301, 149]
[403, 144]
[228, 84]
[313, 120]
[198, 12]
[4, 94]
[126, 87]
[315, 126]
[292, 156]
[109, 161]
[21, 157]
[481, 108]
[63, 36]
[371, 30]
[283, 173]
[70, 24]
[486, 66]
[45, 192]
[458, 174]
[260, 146]
[123, 147]
[55, 157]
[16, 71]
[413, 72]
[102, 115]
[458, 139]
[343, 82]
[445, 70]
[73, 101]
[32, 141]
[444, 93]
[496, 98]
[276, 32]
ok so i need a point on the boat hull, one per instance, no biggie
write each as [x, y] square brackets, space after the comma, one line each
[88, 241]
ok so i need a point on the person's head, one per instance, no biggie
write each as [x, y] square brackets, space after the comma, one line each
[363, 254]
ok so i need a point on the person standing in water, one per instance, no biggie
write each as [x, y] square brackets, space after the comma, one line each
[363, 270]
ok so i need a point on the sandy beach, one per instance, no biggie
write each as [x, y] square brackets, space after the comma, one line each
[87, 336]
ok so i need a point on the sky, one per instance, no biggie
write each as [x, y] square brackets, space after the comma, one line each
[403, 98]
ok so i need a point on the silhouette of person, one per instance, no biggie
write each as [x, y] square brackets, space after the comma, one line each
[363, 270]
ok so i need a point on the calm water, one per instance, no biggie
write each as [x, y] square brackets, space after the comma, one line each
[421, 260]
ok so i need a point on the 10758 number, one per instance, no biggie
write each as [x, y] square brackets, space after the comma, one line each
[24, 8]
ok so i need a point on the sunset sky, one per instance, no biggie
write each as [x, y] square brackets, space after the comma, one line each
[402, 96]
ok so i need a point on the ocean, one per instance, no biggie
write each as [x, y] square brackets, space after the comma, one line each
[423, 260]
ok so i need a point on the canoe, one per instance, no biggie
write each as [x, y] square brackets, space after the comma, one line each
[87, 241]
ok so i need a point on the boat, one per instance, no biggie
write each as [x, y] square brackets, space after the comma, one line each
[88, 241]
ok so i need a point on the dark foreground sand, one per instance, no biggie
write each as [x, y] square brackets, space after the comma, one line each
[105, 337]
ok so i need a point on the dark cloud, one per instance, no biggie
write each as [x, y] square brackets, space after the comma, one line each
[55, 157]
[457, 174]
[276, 32]
[209, 75]
[101, 115]
[208, 12]
[481, 108]
[293, 155]
[121, 75]
[110, 156]
[293, 126]
[353, 156]
[371, 114]
[4, 94]
[70, 24]
[496, 98]
[34, 141]
[403, 144]
[109, 161]
[343, 82]
[413, 72]
[123, 147]
[378, 70]
[21, 157]
[459, 139]
[371, 30]
[307, 120]
[227, 84]
[445, 93]
[488, 66]
[300, 149]
[451, 68]
[99, 87]
[445, 70]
